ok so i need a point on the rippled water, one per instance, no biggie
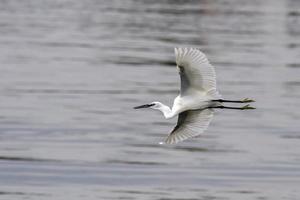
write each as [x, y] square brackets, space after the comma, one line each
[71, 71]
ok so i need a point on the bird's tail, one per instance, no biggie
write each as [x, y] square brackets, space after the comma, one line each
[214, 94]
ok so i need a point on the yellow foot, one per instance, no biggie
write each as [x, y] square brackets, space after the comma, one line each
[247, 107]
[246, 100]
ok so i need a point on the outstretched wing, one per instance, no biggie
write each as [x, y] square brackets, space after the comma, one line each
[195, 71]
[190, 124]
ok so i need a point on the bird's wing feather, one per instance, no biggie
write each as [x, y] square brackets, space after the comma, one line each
[195, 71]
[190, 124]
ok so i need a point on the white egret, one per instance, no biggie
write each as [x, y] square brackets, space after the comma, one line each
[198, 96]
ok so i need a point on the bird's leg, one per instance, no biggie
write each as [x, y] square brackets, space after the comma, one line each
[236, 108]
[246, 100]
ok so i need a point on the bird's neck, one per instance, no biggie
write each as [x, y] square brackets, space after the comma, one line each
[166, 111]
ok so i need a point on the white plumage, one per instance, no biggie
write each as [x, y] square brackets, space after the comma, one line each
[196, 71]
[190, 124]
[198, 96]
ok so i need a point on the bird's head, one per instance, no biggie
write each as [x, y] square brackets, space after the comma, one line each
[154, 105]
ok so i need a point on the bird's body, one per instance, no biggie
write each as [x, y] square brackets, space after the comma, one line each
[198, 96]
[192, 102]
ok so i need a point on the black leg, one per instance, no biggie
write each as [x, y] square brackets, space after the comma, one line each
[246, 100]
[236, 108]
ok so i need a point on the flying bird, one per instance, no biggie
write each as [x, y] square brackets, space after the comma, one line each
[197, 99]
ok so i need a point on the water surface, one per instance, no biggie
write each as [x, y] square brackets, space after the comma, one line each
[71, 71]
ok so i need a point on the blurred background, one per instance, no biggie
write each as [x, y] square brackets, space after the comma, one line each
[71, 71]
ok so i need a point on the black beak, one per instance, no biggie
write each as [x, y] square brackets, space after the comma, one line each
[144, 106]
